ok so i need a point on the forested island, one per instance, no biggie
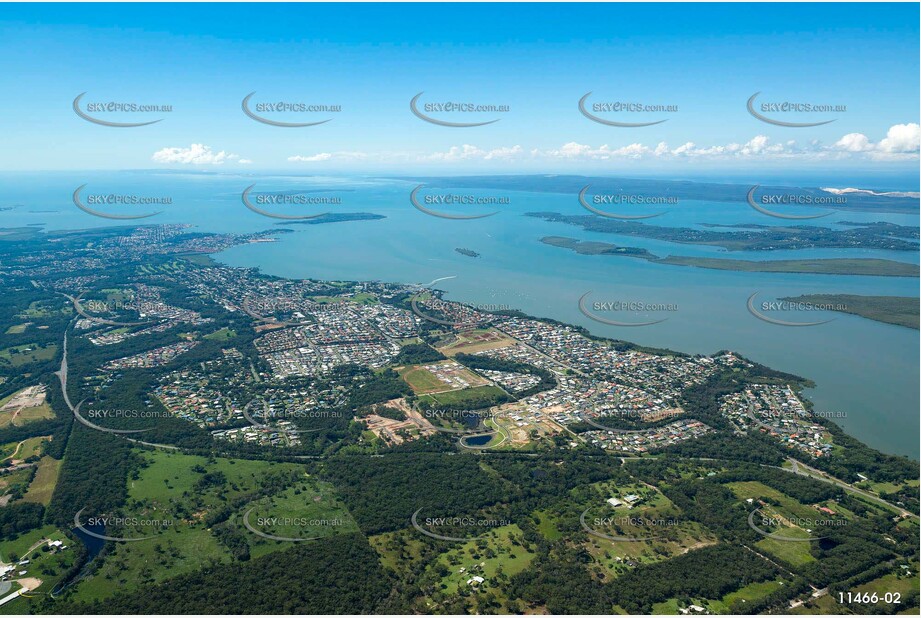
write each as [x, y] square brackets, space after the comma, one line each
[899, 310]
[822, 266]
[879, 235]
[335, 217]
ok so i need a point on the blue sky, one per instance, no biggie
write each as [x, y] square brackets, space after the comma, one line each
[539, 60]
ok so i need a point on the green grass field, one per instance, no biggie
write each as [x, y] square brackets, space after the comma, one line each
[46, 477]
[500, 437]
[398, 550]
[308, 510]
[654, 520]
[755, 490]
[469, 397]
[202, 259]
[179, 492]
[666, 608]
[221, 335]
[46, 565]
[476, 340]
[892, 583]
[25, 415]
[14, 481]
[30, 447]
[24, 354]
[794, 552]
[424, 382]
[39, 309]
[547, 527]
[752, 592]
[498, 555]
[421, 380]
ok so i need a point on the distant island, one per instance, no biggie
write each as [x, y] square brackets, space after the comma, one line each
[898, 310]
[467, 252]
[857, 200]
[18, 233]
[337, 217]
[871, 267]
[878, 235]
[597, 248]
[822, 266]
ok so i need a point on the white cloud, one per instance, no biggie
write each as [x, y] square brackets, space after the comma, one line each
[196, 154]
[901, 142]
[755, 145]
[853, 142]
[575, 150]
[327, 156]
[321, 156]
[468, 152]
[504, 153]
[902, 138]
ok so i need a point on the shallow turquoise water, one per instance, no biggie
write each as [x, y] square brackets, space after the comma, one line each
[866, 370]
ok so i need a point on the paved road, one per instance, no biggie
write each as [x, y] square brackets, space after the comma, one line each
[62, 374]
[803, 470]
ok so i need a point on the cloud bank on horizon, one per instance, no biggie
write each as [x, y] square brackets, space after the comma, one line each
[901, 143]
